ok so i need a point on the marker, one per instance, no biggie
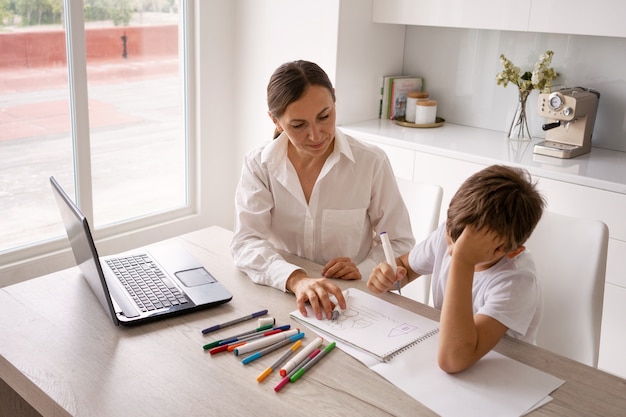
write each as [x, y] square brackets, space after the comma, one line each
[312, 362]
[271, 348]
[255, 335]
[217, 342]
[287, 377]
[391, 260]
[293, 362]
[337, 309]
[224, 348]
[230, 323]
[279, 361]
[230, 347]
[264, 342]
[233, 346]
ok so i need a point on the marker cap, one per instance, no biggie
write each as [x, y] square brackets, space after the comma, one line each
[267, 320]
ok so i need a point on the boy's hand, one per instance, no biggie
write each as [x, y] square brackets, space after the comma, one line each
[475, 247]
[382, 279]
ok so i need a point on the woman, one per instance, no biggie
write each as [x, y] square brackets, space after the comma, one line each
[315, 193]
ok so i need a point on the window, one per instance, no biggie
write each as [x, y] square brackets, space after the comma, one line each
[116, 135]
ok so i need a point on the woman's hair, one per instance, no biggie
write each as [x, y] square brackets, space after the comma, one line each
[500, 198]
[290, 81]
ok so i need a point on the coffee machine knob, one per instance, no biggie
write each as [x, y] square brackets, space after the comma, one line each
[568, 111]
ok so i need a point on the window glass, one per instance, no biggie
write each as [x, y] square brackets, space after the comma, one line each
[137, 136]
[35, 140]
[136, 112]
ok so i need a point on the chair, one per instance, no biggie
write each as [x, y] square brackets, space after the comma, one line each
[570, 256]
[423, 201]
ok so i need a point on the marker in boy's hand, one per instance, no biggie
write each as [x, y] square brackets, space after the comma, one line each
[391, 260]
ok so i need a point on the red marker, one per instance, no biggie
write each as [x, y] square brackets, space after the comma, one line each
[287, 377]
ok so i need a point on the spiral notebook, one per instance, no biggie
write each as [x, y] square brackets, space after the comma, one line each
[373, 325]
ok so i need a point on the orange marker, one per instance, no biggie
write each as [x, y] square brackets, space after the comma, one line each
[279, 361]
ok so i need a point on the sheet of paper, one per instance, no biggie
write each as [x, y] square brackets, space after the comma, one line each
[496, 385]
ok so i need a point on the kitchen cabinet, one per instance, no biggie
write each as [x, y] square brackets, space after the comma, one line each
[576, 17]
[592, 186]
[484, 14]
[579, 17]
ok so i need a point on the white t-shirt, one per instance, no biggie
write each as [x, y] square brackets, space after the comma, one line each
[354, 198]
[508, 291]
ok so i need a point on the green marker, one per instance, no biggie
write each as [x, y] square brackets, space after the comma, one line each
[219, 342]
[312, 362]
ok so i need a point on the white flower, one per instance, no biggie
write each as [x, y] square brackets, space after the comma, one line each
[540, 78]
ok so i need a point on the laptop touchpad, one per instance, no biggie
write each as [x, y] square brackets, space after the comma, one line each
[195, 277]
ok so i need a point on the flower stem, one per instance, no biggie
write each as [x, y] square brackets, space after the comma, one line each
[519, 125]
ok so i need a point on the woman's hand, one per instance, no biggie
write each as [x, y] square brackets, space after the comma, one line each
[317, 292]
[342, 268]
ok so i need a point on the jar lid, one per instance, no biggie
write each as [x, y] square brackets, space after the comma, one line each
[418, 94]
[427, 103]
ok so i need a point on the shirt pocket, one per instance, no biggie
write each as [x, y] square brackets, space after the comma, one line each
[344, 234]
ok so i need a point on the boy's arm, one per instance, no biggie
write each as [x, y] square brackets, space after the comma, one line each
[464, 338]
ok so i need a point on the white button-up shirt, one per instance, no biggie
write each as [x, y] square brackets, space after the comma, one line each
[354, 198]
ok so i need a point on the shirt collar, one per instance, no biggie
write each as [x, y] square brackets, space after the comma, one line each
[275, 153]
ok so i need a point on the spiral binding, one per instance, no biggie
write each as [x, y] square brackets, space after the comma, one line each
[393, 353]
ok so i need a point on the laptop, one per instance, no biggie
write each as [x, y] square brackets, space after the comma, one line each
[143, 285]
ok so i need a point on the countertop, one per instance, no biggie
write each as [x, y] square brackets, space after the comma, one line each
[601, 168]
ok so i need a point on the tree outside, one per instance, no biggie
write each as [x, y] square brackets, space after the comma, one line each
[50, 12]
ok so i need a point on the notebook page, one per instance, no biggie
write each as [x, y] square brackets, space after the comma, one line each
[373, 325]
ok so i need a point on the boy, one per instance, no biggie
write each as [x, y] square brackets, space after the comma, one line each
[483, 280]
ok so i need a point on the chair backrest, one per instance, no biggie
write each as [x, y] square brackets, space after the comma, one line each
[423, 201]
[570, 256]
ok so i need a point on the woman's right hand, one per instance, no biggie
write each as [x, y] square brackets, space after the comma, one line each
[317, 292]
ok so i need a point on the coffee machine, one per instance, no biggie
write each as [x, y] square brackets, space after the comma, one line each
[571, 115]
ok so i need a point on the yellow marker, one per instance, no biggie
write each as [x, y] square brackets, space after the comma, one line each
[280, 360]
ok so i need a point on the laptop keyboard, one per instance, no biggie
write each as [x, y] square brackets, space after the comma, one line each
[146, 283]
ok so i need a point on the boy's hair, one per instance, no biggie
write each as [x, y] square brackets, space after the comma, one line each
[500, 198]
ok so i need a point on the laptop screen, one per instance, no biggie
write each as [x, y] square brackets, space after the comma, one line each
[83, 247]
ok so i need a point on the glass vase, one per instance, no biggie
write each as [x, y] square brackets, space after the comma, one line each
[519, 125]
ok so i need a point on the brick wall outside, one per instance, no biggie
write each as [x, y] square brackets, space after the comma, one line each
[47, 48]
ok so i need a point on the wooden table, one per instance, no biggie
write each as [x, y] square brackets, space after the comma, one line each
[60, 352]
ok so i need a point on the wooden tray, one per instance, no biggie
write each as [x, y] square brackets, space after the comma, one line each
[402, 122]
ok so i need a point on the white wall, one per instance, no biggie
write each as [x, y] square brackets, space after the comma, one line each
[366, 52]
[460, 65]
[215, 100]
